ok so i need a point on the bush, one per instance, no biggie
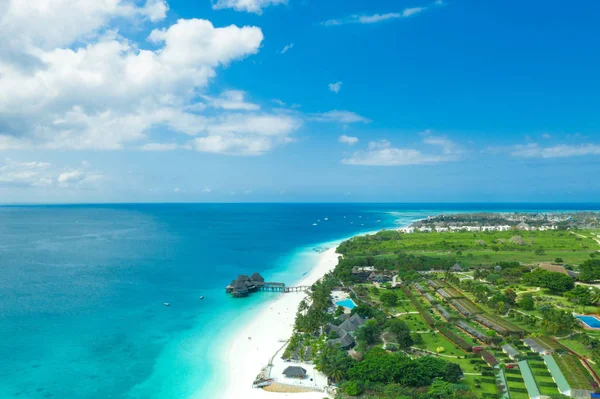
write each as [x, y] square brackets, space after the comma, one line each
[455, 339]
[388, 298]
[518, 390]
[353, 388]
[514, 379]
[537, 365]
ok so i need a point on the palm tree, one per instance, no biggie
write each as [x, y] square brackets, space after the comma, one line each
[585, 339]
[594, 295]
[336, 374]
[302, 306]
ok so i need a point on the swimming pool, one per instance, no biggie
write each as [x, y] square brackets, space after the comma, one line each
[347, 303]
[590, 321]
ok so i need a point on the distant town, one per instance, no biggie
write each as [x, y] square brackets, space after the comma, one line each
[506, 222]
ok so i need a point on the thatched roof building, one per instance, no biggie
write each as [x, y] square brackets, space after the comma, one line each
[345, 341]
[244, 284]
[294, 372]
[257, 278]
[352, 323]
[456, 268]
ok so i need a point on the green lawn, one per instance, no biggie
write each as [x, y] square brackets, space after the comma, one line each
[414, 322]
[485, 388]
[520, 385]
[434, 340]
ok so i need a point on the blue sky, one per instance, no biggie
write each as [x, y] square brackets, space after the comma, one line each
[299, 100]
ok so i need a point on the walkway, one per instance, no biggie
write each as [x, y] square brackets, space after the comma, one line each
[527, 314]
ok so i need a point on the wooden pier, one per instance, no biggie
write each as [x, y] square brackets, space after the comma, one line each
[244, 285]
[280, 287]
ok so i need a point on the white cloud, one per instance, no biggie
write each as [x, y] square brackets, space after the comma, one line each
[412, 11]
[43, 174]
[233, 145]
[27, 174]
[71, 176]
[371, 19]
[247, 134]
[196, 42]
[348, 140]
[339, 116]
[278, 102]
[252, 6]
[546, 136]
[159, 147]
[448, 146]
[106, 94]
[51, 23]
[232, 100]
[335, 87]
[287, 48]
[381, 153]
[535, 150]
[375, 18]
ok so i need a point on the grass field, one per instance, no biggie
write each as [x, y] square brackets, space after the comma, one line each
[577, 376]
[516, 389]
[485, 387]
[476, 248]
[434, 340]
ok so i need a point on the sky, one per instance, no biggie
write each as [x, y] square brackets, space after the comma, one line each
[299, 100]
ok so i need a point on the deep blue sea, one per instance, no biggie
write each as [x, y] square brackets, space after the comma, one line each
[82, 287]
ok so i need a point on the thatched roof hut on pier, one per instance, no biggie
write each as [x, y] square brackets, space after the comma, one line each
[243, 285]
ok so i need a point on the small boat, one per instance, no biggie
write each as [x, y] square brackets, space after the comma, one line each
[314, 224]
[167, 304]
[202, 297]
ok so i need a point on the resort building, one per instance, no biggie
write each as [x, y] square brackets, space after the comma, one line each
[362, 273]
[511, 352]
[378, 277]
[456, 268]
[345, 341]
[345, 330]
[295, 372]
[243, 285]
[537, 347]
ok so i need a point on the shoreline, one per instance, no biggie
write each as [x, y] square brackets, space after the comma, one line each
[269, 331]
[260, 340]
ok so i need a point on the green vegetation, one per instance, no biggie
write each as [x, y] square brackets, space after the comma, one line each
[573, 370]
[555, 282]
[418, 340]
[424, 251]
[590, 270]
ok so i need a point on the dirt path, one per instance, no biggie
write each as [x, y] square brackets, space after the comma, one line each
[595, 237]
[527, 314]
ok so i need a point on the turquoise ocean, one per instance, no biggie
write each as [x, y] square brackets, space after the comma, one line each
[82, 287]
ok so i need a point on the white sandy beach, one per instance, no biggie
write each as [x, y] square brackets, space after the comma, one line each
[269, 330]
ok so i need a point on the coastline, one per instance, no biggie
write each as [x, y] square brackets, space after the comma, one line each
[269, 330]
[257, 342]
